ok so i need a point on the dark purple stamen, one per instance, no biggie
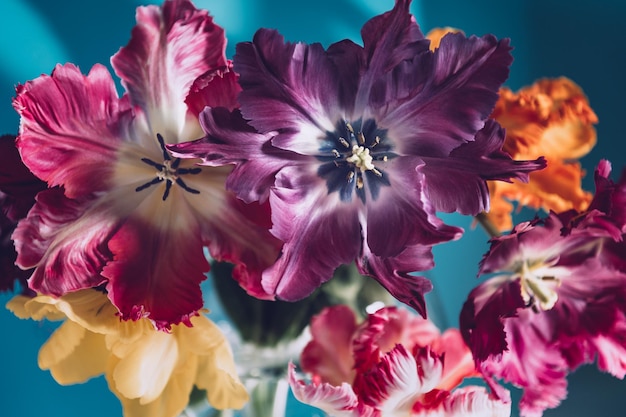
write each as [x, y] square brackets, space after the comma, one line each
[171, 171]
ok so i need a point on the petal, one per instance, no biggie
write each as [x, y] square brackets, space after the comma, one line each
[394, 273]
[216, 88]
[73, 354]
[178, 43]
[230, 140]
[65, 240]
[216, 367]
[398, 380]
[483, 314]
[533, 364]
[552, 117]
[36, 308]
[91, 309]
[156, 272]
[555, 188]
[612, 352]
[610, 197]
[301, 207]
[458, 362]
[329, 354]
[401, 204]
[447, 104]
[458, 182]
[9, 272]
[70, 128]
[339, 401]
[474, 402]
[145, 370]
[386, 328]
[288, 88]
[239, 234]
[173, 399]
[388, 40]
[18, 186]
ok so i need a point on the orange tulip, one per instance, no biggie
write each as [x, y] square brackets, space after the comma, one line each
[551, 118]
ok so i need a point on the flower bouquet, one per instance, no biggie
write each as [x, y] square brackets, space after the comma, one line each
[310, 184]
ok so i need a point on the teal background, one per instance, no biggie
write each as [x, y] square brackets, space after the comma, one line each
[582, 40]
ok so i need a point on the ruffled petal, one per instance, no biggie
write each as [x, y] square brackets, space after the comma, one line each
[388, 40]
[483, 313]
[398, 380]
[66, 241]
[301, 207]
[18, 187]
[473, 402]
[458, 182]
[458, 362]
[216, 372]
[145, 370]
[216, 88]
[172, 400]
[290, 88]
[37, 308]
[395, 274]
[392, 250]
[450, 99]
[231, 140]
[401, 204]
[239, 234]
[73, 354]
[611, 349]
[9, 272]
[436, 34]
[531, 363]
[156, 273]
[386, 328]
[89, 308]
[180, 43]
[338, 401]
[552, 117]
[71, 126]
[329, 354]
[554, 188]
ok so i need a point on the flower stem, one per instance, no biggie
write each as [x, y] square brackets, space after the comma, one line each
[487, 225]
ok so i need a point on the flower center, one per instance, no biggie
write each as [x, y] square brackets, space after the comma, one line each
[362, 159]
[349, 154]
[538, 289]
[168, 171]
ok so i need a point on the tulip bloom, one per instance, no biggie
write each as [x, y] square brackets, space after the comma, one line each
[123, 213]
[357, 147]
[395, 364]
[557, 300]
[551, 118]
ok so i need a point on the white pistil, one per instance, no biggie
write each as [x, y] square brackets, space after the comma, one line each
[167, 173]
[361, 158]
[538, 288]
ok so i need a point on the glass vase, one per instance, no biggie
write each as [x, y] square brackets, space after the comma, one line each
[263, 371]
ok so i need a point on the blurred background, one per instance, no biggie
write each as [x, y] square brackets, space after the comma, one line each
[577, 39]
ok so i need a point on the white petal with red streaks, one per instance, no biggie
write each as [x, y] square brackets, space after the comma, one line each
[180, 43]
